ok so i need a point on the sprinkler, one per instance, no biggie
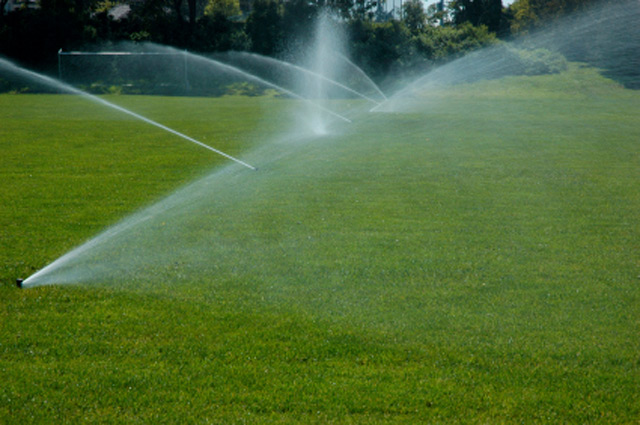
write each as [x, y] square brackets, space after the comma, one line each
[19, 282]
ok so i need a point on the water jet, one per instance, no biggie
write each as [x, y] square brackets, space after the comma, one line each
[301, 70]
[237, 71]
[51, 82]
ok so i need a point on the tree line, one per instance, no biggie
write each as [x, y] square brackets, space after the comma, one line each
[382, 41]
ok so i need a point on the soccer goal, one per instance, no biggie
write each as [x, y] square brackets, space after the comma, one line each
[126, 72]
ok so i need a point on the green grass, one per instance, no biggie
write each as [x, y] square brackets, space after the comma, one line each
[473, 262]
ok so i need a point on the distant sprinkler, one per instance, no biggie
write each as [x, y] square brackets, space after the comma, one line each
[19, 282]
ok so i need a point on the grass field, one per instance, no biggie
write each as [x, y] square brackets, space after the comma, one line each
[473, 262]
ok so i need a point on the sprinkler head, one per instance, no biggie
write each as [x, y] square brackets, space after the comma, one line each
[19, 282]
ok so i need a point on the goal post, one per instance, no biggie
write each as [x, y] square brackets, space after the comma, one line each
[136, 72]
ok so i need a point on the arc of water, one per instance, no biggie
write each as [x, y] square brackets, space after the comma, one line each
[110, 233]
[257, 79]
[363, 74]
[172, 131]
[70, 89]
[308, 71]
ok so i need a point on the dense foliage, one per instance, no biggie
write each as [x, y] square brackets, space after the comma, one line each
[387, 45]
[33, 36]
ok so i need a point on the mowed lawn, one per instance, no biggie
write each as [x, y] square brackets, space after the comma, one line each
[474, 261]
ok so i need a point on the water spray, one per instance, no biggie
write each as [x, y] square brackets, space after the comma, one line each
[311, 73]
[363, 74]
[234, 70]
[70, 89]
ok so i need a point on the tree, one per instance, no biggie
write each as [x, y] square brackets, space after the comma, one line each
[525, 15]
[492, 15]
[226, 8]
[437, 13]
[177, 8]
[192, 13]
[364, 9]
[263, 26]
[298, 20]
[522, 17]
[415, 17]
[343, 8]
[478, 12]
